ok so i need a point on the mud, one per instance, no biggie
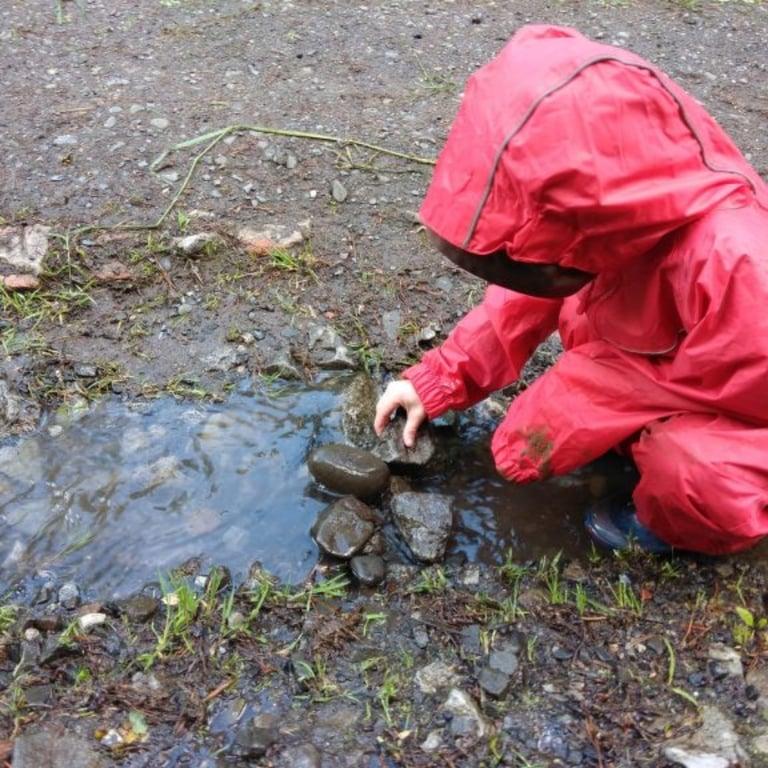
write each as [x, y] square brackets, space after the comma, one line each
[619, 660]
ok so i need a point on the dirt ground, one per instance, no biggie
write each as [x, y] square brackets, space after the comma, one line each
[92, 93]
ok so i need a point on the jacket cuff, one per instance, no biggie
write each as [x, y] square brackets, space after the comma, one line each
[436, 395]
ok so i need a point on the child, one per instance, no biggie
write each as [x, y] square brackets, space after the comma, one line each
[598, 197]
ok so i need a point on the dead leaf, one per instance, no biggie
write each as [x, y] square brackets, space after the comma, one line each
[113, 272]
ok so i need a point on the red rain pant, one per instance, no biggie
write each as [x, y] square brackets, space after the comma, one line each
[704, 476]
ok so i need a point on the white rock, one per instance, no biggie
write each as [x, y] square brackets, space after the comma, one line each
[90, 620]
[433, 741]
[461, 705]
[714, 745]
[192, 245]
[436, 676]
[729, 658]
[160, 123]
[24, 247]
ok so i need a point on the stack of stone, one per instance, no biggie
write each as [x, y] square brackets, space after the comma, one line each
[350, 528]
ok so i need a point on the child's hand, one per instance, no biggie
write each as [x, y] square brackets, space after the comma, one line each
[400, 394]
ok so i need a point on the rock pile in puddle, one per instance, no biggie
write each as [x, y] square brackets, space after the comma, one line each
[349, 529]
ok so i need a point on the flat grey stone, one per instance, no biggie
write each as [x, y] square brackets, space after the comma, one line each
[493, 682]
[53, 749]
[714, 745]
[393, 450]
[339, 191]
[424, 521]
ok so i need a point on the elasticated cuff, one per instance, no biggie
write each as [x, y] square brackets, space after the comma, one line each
[435, 394]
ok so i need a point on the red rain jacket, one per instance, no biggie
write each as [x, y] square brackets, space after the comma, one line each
[572, 152]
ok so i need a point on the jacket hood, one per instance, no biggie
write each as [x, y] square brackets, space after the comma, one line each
[572, 152]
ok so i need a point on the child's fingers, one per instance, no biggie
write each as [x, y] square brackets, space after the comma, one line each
[411, 428]
[384, 408]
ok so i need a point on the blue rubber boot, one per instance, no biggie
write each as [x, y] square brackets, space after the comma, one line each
[612, 522]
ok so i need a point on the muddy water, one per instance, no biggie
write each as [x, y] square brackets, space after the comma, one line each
[125, 492]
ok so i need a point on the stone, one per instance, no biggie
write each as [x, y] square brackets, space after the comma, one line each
[504, 660]
[433, 742]
[376, 545]
[424, 521]
[139, 608]
[727, 658]
[393, 450]
[24, 248]
[145, 683]
[328, 351]
[262, 242]
[348, 469]
[467, 720]
[338, 191]
[358, 409]
[760, 745]
[86, 371]
[368, 569]
[38, 695]
[343, 528]
[301, 756]
[282, 366]
[391, 322]
[436, 676]
[112, 739]
[493, 682]
[69, 595]
[714, 745]
[195, 245]
[256, 735]
[90, 620]
[160, 123]
[49, 748]
[20, 282]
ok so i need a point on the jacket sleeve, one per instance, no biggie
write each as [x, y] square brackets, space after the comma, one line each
[485, 352]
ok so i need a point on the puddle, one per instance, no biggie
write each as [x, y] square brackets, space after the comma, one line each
[127, 491]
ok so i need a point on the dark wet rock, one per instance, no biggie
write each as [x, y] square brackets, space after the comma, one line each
[348, 469]
[30, 650]
[327, 349]
[342, 529]
[49, 748]
[139, 608]
[399, 484]
[436, 677]
[393, 450]
[256, 735]
[545, 356]
[715, 744]
[300, 756]
[69, 595]
[358, 409]
[368, 569]
[376, 545]
[467, 720]
[424, 521]
[561, 654]
[493, 682]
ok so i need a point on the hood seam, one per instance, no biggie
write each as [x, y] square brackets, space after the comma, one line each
[562, 84]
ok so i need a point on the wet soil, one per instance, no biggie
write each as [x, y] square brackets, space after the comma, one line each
[615, 655]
